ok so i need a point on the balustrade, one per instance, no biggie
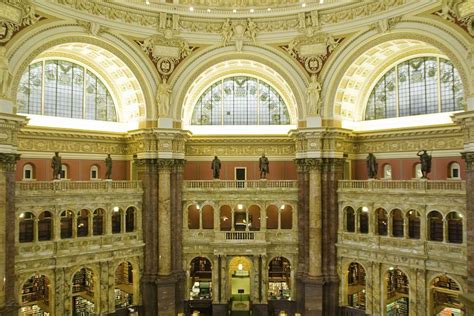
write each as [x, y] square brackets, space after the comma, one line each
[412, 185]
[238, 184]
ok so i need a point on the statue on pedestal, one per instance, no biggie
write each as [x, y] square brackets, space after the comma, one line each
[108, 167]
[425, 160]
[163, 94]
[56, 165]
[371, 166]
[216, 167]
[263, 164]
[313, 96]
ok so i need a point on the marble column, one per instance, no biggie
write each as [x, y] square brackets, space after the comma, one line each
[333, 171]
[8, 231]
[147, 170]
[315, 254]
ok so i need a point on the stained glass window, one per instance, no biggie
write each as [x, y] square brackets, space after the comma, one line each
[421, 85]
[240, 100]
[62, 88]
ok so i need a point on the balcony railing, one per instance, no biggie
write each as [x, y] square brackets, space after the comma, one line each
[65, 185]
[240, 236]
[236, 184]
[413, 185]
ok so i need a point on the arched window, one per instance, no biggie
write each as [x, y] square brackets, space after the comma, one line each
[356, 280]
[413, 224]
[397, 223]
[382, 221]
[64, 171]
[193, 217]
[240, 218]
[240, 100]
[286, 217]
[226, 218]
[28, 172]
[98, 222]
[45, 226]
[454, 170]
[130, 220]
[418, 173]
[116, 220]
[123, 285]
[397, 293]
[279, 278]
[387, 172]
[200, 274]
[94, 173]
[445, 296]
[66, 224]
[65, 89]
[350, 219]
[363, 213]
[435, 226]
[83, 223]
[272, 217]
[421, 85]
[27, 227]
[36, 296]
[454, 221]
[207, 217]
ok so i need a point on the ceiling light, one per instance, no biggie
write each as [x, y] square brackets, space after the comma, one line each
[303, 5]
[191, 9]
[208, 10]
[252, 10]
[116, 209]
[147, 1]
[321, 1]
[240, 206]
[235, 11]
[269, 9]
[365, 209]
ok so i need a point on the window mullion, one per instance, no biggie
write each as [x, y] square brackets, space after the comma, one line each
[439, 84]
[84, 96]
[397, 98]
[43, 70]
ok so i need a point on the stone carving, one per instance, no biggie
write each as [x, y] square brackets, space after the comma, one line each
[251, 31]
[163, 94]
[4, 73]
[239, 31]
[312, 51]
[447, 10]
[227, 32]
[385, 25]
[459, 12]
[14, 15]
[313, 96]
[166, 52]
[94, 29]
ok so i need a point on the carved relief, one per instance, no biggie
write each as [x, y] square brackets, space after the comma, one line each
[458, 12]
[15, 14]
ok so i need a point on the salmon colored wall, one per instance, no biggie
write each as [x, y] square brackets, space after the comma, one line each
[78, 170]
[201, 170]
[404, 169]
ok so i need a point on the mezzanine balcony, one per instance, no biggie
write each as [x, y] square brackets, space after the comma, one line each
[229, 185]
[57, 186]
[419, 185]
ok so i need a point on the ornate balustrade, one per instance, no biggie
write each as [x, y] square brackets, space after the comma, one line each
[412, 185]
[235, 184]
[23, 187]
[195, 236]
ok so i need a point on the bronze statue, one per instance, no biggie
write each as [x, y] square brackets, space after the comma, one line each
[425, 160]
[56, 165]
[108, 167]
[263, 164]
[371, 166]
[216, 167]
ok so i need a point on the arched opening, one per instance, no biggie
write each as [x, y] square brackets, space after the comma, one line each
[417, 173]
[240, 286]
[363, 213]
[200, 274]
[27, 227]
[66, 224]
[130, 220]
[397, 223]
[28, 172]
[35, 296]
[454, 170]
[240, 218]
[272, 217]
[207, 217]
[116, 220]
[381, 221]
[435, 226]
[254, 218]
[356, 280]
[83, 223]
[397, 295]
[83, 299]
[445, 297]
[45, 226]
[387, 172]
[286, 217]
[455, 229]
[123, 291]
[225, 218]
[94, 172]
[349, 216]
[193, 217]
[64, 171]
[279, 279]
[98, 222]
[413, 224]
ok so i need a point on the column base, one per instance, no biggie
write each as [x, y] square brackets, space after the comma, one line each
[314, 296]
[166, 296]
[468, 301]
[9, 310]
[259, 309]
[219, 309]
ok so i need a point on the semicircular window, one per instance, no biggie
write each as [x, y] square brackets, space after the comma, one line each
[421, 85]
[65, 89]
[240, 100]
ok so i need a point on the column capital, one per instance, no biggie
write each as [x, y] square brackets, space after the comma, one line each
[307, 164]
[8, 161]
[469, 159]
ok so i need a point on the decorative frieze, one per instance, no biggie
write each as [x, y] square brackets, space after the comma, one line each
[15, 14]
